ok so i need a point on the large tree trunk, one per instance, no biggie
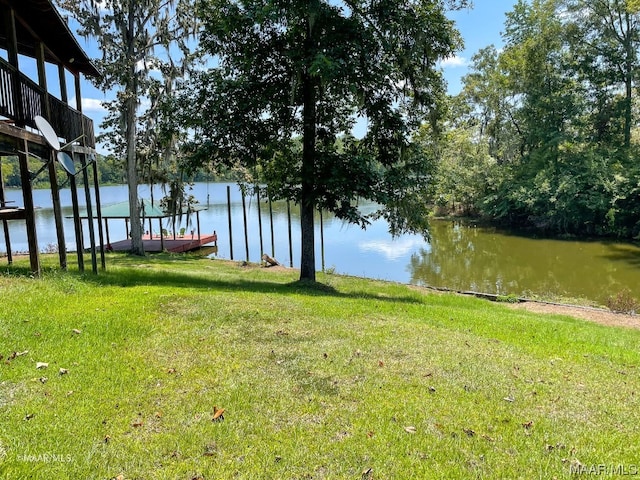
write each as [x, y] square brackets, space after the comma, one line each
[307, 194]
[137, 247]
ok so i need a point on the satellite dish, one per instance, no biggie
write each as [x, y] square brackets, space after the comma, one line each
[48, 132]
[67, 162]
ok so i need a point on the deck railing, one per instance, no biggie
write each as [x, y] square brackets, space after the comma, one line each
[22, 99]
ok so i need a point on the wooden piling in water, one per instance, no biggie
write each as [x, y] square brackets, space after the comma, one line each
[229, 212]
[321, 239]
[259, 220]
[246, 232]
[273, 242]
[289, 225]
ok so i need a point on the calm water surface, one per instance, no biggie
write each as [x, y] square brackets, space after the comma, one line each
[456, 256]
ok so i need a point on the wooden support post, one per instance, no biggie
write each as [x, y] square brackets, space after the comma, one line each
[87, 196]
[96, 188]
[85, 181]
[259, 219]
[229, 213]
[198, 224]
[5, 224]
[161, 235]
[77, 222]
[273, 242]
[246, 232]
[12, 58]
[321, 238]
[57, 214]
[289, 228]
[27, 195]
[106, 229]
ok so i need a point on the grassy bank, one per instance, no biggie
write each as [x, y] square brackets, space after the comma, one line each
[349, 379]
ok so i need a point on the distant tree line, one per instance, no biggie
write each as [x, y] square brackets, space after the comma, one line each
[545, 131]
[111, 171]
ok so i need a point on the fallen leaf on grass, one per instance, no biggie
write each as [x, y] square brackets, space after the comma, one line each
[137, 423]
[380, 363]
[218, 414]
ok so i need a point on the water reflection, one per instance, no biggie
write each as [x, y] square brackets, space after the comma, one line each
[493, 261]
[456, 256]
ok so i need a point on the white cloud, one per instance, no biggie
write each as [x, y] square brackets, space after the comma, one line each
[92, 105]
[454, 62]
[395, 248]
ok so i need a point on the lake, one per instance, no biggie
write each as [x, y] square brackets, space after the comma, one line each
[456, 256]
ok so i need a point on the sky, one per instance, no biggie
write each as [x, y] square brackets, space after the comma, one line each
[480, 26]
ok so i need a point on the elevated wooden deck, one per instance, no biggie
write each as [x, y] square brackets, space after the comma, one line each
[177, 245]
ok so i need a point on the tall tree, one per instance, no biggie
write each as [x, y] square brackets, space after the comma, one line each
[311, 69]
[136, 37]
[605, 37]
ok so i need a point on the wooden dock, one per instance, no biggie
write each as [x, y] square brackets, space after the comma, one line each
[170, 244]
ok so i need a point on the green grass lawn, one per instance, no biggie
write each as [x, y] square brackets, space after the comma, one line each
[352, 379]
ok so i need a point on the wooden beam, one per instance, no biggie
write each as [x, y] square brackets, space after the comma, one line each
[27, 195]
[13, 132]
[12, 58]
[5, 225]
[63, 84]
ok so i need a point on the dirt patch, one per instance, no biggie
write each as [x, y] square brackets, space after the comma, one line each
[604, 317]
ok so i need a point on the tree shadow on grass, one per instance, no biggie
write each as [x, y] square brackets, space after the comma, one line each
[180, 280]
[152, 277]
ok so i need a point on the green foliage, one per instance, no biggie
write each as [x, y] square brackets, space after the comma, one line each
[310, 70]
[511, 298]
[623, 302]
[549, 122]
